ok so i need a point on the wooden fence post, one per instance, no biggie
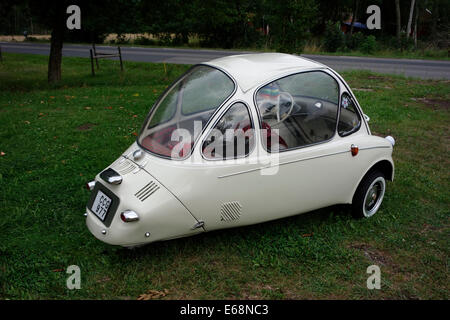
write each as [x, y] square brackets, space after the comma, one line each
[92, 63]
[120, 58]
[101, 55]
[95, 55]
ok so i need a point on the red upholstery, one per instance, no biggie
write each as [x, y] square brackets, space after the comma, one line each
[268, 135]
[161, 143]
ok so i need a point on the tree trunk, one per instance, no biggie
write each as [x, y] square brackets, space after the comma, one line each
[411, 12]
[398, 17]
[54, 62]
[434, 18]
[416, 23]
[355, 10]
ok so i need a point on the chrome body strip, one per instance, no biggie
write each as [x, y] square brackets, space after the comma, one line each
[294, 161]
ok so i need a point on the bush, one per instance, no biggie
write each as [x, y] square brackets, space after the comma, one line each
[31, 39]
[405, 43]
[164, 39]
[369, 45]
[122, 39]
[354, 41]
[334, 38]
[84, 36]
[141, 40]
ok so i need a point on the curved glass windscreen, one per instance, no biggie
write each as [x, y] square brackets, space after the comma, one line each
[181, 114]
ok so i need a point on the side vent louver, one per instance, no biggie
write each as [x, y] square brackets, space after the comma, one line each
[230, 211]
[147, 191]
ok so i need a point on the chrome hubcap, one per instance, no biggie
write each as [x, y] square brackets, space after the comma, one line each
[374, 196]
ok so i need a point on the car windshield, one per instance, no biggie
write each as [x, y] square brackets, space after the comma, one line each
[188, 104]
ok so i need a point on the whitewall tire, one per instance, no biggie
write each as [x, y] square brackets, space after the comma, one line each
[369, 195]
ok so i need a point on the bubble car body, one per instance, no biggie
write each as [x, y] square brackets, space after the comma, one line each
[237, 141]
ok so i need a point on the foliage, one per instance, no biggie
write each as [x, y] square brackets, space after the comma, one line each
[334, 38]
[221, 23]
[369, 44]
[354, 41]
[230, 23]
[145, 41]
[289, 23]
[405, 43]
[166, 17]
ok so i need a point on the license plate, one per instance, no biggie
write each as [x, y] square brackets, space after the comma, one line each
[101, 205]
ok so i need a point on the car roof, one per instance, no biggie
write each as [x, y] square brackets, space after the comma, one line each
[250, 70]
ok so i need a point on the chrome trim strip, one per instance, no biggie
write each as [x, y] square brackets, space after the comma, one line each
[377, 147]
[283, 163]
[240, 172]
[299, 160]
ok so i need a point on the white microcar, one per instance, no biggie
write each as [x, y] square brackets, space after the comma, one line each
[241, 140]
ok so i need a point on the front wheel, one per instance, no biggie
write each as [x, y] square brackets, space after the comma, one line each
[369, 195]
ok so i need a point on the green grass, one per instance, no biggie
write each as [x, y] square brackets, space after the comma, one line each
[429, 54]
[47, 159]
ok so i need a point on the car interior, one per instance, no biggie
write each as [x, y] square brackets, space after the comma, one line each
[299, 120]
[295, 111]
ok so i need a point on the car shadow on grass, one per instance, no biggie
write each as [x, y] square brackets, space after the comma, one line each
[305, 225]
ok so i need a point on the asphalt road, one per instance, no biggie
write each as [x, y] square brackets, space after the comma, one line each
[425, 69]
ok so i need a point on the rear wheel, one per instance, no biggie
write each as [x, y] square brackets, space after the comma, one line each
[369, 195]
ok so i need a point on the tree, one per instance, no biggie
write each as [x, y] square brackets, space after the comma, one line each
[355, 11]
[165, 18]
[97, 17]
[290, 22]
[333, 39]
[434, 21]
[221, 23]
[411, 12]
[415, 23]
[398, 18]
[52, 14]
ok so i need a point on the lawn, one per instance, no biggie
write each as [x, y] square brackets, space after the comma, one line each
[422, 54]
[55, 138]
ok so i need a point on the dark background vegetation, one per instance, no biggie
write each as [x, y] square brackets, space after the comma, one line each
[286, 26]
[227, 23]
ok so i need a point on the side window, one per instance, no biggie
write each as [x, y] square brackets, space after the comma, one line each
[349, 118]
[298, 110]
[233, 135]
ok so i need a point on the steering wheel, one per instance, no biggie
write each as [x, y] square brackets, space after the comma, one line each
[275, 108]
[287, 114]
